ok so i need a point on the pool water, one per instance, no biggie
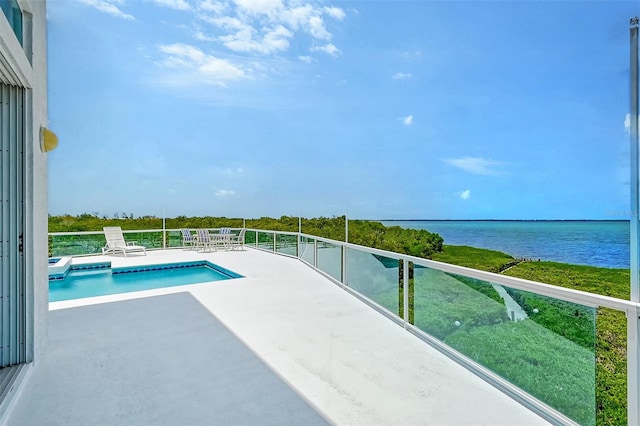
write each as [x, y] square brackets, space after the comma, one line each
[100, 281]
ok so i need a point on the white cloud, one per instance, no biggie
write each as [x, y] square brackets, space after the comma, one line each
[465, 194]
[408, 120]
[260, 7]
[335, 12]
[173, 4]
[402, 76]
[194, 66]
[265, 26]
[307, 59]
[109, 7]
[217, 7]
[318, 29]
[225, 192]
[329, 49]
[246, 40]
[476, 165]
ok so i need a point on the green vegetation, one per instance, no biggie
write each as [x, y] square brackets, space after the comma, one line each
[611, 328]
[568, 320]
[372, 234]
[471, 257]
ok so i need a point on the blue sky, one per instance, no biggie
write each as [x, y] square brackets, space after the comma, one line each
[382, 109]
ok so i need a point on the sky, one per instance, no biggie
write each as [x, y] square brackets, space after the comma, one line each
[375, 109]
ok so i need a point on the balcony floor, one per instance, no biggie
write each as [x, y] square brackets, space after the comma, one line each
[284, 345]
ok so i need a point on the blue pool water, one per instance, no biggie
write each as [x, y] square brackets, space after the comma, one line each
[98, 280]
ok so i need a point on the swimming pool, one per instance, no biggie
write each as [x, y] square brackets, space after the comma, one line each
[99, 279]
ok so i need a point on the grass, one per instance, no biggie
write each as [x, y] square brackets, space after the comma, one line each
[471, 257]
[610, 342]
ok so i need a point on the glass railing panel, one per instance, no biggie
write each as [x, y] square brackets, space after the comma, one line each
[287, 244]
[250, 238]
[150, 240]
[174, 239]
[74, 245]
[376, 277]
[265, 240]
[543, 345]
[306, 249]
[330, 259]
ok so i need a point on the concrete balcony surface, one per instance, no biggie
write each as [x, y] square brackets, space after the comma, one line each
[284, 345]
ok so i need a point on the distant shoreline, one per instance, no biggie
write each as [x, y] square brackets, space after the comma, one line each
[501, 220]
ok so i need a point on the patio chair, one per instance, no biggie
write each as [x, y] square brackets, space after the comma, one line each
[116, 242]
[204, 240]
[237, 240]
[222, 238]
[188, 239]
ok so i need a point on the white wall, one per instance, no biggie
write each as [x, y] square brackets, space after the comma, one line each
[31, 73]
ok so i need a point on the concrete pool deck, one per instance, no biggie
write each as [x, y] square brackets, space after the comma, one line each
[345, 362]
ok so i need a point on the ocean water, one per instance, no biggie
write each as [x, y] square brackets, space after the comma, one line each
[595, 243]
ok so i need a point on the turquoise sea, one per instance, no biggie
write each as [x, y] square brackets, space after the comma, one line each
[595, 243]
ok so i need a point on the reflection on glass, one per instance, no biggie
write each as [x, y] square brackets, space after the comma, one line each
[376, 277]
[542, 345]
[287, 244]
[330, 259]
[306, 249]
[265, 240]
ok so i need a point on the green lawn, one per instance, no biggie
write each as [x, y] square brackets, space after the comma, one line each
[610, 343]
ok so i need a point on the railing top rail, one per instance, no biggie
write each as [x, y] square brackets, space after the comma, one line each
[292, 233]
[125, 231]
[562, 293]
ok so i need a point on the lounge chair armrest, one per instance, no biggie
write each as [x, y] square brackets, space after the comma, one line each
[131, 243]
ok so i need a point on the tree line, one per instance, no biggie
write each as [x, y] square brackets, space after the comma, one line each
[414, 242]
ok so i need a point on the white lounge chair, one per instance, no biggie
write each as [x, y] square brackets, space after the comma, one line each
[116, 242]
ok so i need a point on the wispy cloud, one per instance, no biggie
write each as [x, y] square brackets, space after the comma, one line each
[402, 76]
[307, 59]
[224, 192]
[109, 7]
[476, 165]
[465, 195]
[335, 12]
[328, 48]
[246, 40]
[191, 65]
[265, 26]
[173, 4]
[408, 120]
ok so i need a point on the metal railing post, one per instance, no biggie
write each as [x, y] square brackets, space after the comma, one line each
[405, 289]
[633, 366]
[344, 266]
[274, 242]
[633, 329]
[315, 252]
